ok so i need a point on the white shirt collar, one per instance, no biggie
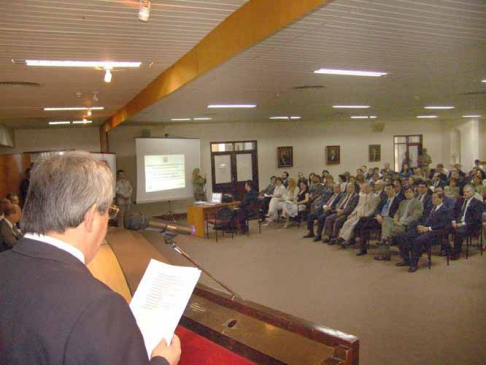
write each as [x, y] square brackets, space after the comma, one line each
[9, 224]
[57, 243]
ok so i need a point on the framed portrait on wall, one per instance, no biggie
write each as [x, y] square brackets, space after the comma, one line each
[285, 157]
[374, 152]
[333, 155]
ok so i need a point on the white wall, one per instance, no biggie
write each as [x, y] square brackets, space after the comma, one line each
[307, 138]
[29, 140]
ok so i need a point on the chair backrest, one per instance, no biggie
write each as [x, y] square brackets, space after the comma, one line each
[253, 209]
[224, 214]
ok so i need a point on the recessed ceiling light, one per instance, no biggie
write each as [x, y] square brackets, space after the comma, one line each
[472, 116]
[359, 117]
[204, 118]
[232, 106]
[75, 108]
[351, 106]
[59, 122]
[180, 119]
[84, 121]
[280, 118]
[101, 64]
[426, 116]
[483, 80]
[372, 116]
[439, 107]
[295, 117]
[330, 71]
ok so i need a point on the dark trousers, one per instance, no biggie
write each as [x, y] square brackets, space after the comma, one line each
[312, 217]
[265, 202]
[459, 235]
[412, 244]
[363, 228]
[333, 224]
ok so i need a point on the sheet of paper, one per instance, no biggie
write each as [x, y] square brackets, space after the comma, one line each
[160, 300]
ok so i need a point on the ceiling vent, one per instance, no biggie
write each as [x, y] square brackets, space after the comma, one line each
[18, 84]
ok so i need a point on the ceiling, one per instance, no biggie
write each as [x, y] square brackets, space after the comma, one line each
[434, 52]
[92, 30]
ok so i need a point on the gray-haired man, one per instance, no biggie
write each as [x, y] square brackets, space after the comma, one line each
[53, 310]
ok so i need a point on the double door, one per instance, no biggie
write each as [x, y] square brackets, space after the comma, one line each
[232, 164]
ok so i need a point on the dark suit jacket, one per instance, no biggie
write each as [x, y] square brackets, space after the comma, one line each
[352, 204]
[474, 211]
[8, 238]
[439, 219]
[427, 203]
[54, 312]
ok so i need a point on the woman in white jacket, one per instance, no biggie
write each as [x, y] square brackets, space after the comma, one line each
[277, 203]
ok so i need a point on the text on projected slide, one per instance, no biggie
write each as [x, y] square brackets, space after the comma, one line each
[164, 172]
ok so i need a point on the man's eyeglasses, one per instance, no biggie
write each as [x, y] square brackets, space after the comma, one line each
[113, 211]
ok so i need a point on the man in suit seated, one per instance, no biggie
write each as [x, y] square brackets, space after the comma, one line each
[9, 233]
[368, 201]
[467, 219]
[385, 210]
[437, 181]
[334, 222]
[243, 210]
[406, 218]
[424, 195]
[412, 243]
[322, 213]
[53, 310]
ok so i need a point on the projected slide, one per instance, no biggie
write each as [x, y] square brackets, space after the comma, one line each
[164, 172]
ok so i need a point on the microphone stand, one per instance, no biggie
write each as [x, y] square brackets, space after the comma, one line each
[169, 237]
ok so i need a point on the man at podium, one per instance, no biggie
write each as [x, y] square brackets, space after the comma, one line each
[53, 310]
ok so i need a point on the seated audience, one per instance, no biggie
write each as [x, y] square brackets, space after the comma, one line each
[266, 194]
[316, 192]
[437, 180]
[301, 178]
[334, 222]
[428, 233]
[276, 198]
[405, 173]
[424, 196]
[4, 204]
[467, 219]
[14, 198]
[285, 178]
[383, 213]
[479, 188]
[293, 206]
[277, 203]
[368, 201]
[452, 190]
[9, 233]
[322, 212]
[343, 181]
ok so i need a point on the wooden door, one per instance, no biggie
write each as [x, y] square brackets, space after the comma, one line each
[232, 164]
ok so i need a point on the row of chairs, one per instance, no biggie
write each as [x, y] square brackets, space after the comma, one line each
[223, 220]
[444, 240]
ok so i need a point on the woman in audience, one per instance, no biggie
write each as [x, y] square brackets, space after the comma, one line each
[343, 181]
[452, 190]
[295, 200]
[406, 172]
[478, 185]
[325, 175]
[277, 199]
[310, 181]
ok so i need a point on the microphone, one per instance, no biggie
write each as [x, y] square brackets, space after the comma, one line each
[139, 222]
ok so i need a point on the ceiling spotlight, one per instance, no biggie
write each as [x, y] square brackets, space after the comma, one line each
[108, 75]
[144, 12]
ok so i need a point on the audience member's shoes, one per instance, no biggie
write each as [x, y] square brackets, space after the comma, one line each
[317, 238]
[326, 240]
[412, 268]
[339, 241]
[387, 257]
[362, 253]
[309, 235]
[403, 263]
[380, 258]
[455, 257]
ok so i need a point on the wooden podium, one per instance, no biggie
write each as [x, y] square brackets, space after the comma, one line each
[216, 330]
[198, 214]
